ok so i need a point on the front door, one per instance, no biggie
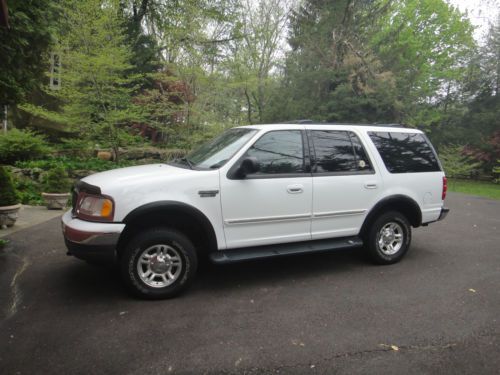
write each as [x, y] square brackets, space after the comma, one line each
[274, 204]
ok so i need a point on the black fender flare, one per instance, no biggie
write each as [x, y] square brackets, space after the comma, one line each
[395, 202]
[175, 206]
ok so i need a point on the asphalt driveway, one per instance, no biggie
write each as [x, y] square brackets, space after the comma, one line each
[436, 311]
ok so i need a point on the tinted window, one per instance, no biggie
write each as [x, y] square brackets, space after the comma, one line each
[338, 151]
[216, 152]
[362, 160]
[279, 152]
[405, 152]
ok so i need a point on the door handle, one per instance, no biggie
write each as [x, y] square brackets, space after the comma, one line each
[370, 185]
[295, 189]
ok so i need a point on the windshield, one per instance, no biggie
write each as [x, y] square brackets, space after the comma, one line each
[215, 153]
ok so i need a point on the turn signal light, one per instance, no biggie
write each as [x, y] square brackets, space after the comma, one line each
[95, 208]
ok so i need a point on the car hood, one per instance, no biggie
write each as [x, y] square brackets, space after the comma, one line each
[129, 176]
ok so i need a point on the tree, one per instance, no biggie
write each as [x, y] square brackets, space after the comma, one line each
[330, 73]
[24, 47]
[144, 47]
[427, 45]
[192, 36]
[162, 106]
[490, 61]
[456, 164]
[97, 80]
[477, 123]
[255, 56]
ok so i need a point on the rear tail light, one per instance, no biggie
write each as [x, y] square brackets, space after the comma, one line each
[445, 187]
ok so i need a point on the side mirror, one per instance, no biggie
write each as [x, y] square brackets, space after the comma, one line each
[248, 166]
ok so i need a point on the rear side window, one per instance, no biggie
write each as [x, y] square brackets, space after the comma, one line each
[338, 151]
[405, 152]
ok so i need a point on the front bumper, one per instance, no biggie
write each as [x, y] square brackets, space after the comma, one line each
[91, 241]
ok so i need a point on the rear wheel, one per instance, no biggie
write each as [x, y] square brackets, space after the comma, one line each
[389, 238]
[158, 263]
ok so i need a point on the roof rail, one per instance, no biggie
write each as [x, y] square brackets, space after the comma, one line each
[394, 125]
[305, 121]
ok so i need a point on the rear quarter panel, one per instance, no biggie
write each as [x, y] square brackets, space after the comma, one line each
[425, 188]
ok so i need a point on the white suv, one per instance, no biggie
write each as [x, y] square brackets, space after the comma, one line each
[255, 192]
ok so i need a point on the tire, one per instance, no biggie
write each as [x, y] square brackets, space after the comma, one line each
[392, 247]
[158, 263]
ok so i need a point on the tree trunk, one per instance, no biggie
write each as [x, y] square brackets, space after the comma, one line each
[249, 106]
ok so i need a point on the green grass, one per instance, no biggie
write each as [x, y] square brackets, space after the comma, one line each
[481, 188]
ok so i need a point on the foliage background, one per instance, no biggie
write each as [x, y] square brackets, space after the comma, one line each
[159, 74]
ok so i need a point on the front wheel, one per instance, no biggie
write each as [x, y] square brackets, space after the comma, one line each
[158, 263]
[389, 238]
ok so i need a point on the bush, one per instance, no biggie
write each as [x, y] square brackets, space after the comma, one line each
[29, 191]
[22, 145]
[456, 164]
[75, 147]
[57, 181]
[74, 164]
[496, 173]
[8, 193]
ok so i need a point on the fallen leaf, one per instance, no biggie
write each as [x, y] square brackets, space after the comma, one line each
[298, 342]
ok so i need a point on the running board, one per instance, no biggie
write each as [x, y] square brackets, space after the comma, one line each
[269, 251]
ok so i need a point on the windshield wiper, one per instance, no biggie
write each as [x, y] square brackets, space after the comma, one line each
[188, 162]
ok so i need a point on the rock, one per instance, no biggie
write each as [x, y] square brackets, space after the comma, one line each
[105, 155]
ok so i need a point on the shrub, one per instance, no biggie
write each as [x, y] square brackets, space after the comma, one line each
[28, 191]
[73, 164]
[496, 172]
[22, 145]
[75, 147]
[8, 193]
[57, 181]
[456, 164]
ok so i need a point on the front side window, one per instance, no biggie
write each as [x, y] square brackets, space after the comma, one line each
[405, 152]
[338, 152]
[279, 152]
[215, 153]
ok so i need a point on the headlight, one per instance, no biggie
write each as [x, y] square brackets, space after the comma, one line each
[95, 208]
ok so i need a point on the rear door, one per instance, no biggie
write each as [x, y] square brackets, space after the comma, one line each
[345, 185]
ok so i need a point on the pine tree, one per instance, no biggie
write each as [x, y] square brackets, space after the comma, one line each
[97, 85]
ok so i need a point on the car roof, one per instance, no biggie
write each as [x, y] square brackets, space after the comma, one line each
[334, 126]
